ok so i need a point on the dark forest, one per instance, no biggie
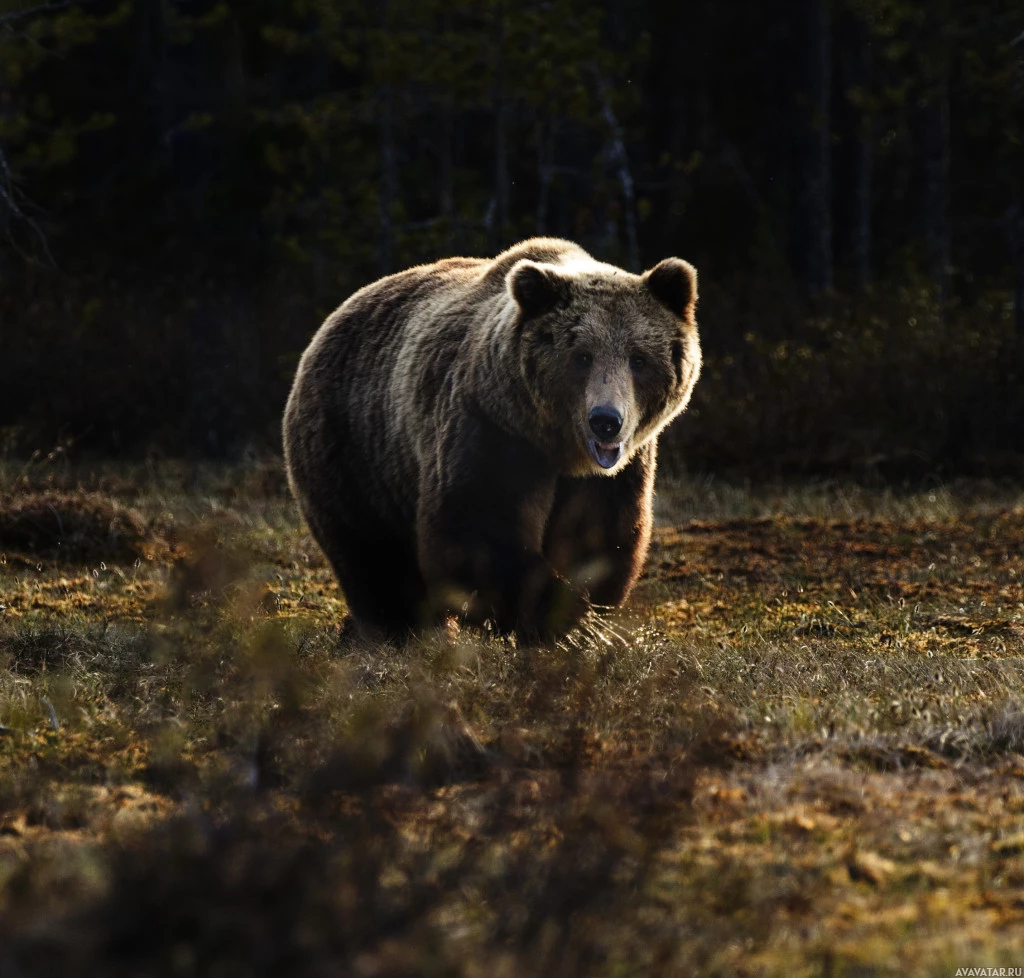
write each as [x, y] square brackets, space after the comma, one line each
[187, 188]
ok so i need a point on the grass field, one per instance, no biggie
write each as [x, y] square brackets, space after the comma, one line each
[800, 750]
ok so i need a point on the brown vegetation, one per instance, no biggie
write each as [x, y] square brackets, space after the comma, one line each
[79, 526]
[800, 752]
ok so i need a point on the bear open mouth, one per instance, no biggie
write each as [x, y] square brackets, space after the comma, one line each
[606, 454]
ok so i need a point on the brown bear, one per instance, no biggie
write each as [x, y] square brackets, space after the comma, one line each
[478, 436]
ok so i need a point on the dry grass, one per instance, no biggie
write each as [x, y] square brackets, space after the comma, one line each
[76, 526]
[798, 753]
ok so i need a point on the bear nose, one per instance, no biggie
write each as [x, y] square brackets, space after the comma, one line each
[605, 422]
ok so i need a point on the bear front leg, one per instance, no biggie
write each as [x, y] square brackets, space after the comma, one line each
[600, 529]
[480, 526]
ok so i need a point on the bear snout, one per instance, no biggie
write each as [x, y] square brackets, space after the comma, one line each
[607, 447]
[605, 422]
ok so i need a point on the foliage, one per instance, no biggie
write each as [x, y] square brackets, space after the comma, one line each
[877, 388]
[882, 388]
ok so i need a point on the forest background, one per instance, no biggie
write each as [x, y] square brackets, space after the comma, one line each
[188, 187]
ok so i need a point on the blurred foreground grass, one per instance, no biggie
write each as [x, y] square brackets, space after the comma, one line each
[800, 750]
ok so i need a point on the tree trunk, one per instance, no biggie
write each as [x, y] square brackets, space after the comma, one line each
[861, 160]
[501, 180]
[1015, 232]
[151, 49]
[235, 84]
[501, 166]
[388, 181]
[5, 204]
[1018, 292]
[618, 148]
[933, 141]
[813, 224]
[446, 190]
[934, 122]
[545, 164]
[860, 238]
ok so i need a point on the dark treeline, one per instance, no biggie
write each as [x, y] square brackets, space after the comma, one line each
[187, 186]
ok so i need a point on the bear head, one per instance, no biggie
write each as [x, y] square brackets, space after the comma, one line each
[608, 358]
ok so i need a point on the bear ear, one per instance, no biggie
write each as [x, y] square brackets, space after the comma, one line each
[673, 282]
[536, 288]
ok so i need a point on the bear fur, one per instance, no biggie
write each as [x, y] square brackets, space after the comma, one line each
[478, 436]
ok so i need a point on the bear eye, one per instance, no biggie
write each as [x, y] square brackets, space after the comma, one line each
[637, 361]
[546, 338]
[583, 359]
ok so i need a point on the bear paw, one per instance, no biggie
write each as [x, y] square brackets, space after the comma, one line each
[550, 610]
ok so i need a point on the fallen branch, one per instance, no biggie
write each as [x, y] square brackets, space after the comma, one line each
[14, 202]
